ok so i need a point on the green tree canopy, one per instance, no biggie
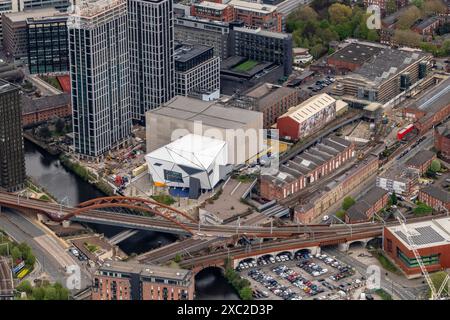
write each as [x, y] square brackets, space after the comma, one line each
[339, 13]
[246, 293]
[435, 165]
[347, 203]
[407, 18]
[434, 6]
[407, 38]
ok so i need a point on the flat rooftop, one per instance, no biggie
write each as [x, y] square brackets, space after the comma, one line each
[424, 234]
[211, 5]
[145, 270]
[399, 173]
[269, 93]
[387, 63]
[264, 33]
[185, 51]
[211, 113]
[356, 53]
[22, 16]
[253, 6]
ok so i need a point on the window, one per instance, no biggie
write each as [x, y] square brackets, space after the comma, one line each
[172, 176]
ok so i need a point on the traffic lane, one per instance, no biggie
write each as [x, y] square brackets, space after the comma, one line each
[22, 230]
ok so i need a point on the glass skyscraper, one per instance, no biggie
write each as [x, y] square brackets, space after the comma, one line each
[99, 70]
[151, 47]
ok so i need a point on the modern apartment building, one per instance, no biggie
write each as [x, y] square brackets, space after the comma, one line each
[48, 49]
[99, 70]
[12, 158]
[258, 15]
[213, 11]
[263, 46]
[6, 6]
[37, 4]
[196, 69]
[151, 47]
[133, 281]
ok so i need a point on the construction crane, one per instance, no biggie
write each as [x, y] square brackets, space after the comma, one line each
[435, 294]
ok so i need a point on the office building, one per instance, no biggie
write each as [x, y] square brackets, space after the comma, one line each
[6, 6]
[262, 46]
[205, 32]
[401, 180]
[48, 49]
[431, 240]
[61, 5]
[151, 47]
[12, 158]
[15, 30]
[213, 11]
[133, 281]
[99, 70]
[196, 69]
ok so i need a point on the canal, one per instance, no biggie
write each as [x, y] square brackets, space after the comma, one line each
[46, 170]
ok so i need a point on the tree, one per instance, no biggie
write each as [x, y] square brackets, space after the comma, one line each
[391, 6]
[44, 132]
[422, 209]
[339, 13]
[407, 18]
[16, 254]
[177, 258]
[347, 203]
[407, 38]
[434, 6]
[38, 293]
[25, 286]
[246, 293]
[305, 14]
[60, 125]
[435, 165]
[340, 214]
[417, 3]
[318, 50]
[50, 294]
[393, 199]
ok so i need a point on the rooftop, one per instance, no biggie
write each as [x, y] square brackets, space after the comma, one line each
[22, 16]
[268, 93]
[30, 105]
[263, 33]
[425, 234]
[387, 63]
[420, 158]
[212, 5]
[358, 210]
[5, 86]
[309, 108]
[435, 98]
[191, 150]
[186, 51]
[145, 270]
[399, 173]
[356, 53]
[426, 23]
[211, 113]
[437, 193]
[253, 6]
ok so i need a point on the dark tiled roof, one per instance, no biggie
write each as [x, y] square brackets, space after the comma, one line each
[437, 193]
[358, 210]
[33, 105]
[420, 158]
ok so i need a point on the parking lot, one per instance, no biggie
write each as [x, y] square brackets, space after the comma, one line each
[303, 276]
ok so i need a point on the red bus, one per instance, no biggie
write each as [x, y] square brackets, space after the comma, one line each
[403, 132]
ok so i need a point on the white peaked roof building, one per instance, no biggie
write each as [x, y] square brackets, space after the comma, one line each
[190, 161]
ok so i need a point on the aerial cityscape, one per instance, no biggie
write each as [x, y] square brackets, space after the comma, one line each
[236, 150]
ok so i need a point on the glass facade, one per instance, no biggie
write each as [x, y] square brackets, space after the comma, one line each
[412, 262]
[48, 45]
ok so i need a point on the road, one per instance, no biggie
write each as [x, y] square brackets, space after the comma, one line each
[404, 293]
[49, 253]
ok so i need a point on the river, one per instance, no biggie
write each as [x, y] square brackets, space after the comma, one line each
[47, 171]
